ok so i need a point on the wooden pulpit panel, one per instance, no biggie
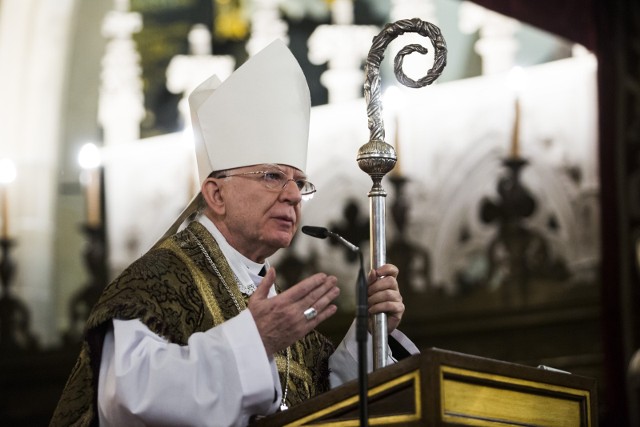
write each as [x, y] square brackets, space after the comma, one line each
[444, 388]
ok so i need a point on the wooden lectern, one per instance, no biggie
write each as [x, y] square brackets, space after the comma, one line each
[444, 388]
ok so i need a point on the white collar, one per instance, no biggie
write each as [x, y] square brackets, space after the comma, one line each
[246, 270]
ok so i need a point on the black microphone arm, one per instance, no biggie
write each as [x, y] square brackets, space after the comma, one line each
[323, 233]
[362, 317]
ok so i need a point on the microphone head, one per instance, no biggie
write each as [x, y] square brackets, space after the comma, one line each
[319, 232]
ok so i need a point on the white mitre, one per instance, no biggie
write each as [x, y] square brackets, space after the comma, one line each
[258, 115]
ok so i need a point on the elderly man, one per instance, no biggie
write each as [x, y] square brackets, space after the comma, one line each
[196, 332]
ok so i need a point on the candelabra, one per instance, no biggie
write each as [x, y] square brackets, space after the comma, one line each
[83, 300]
[508, 214]
[14, 314]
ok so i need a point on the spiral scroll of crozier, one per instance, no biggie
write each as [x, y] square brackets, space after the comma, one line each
[372, 85]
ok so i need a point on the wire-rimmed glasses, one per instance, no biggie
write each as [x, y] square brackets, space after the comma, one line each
[277, 180]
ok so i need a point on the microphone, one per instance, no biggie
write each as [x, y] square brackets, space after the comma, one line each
[323, 233]
[361, 317]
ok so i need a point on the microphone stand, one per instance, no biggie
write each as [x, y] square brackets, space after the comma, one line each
[362, 319]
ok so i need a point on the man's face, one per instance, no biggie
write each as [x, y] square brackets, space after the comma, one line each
[257, 220]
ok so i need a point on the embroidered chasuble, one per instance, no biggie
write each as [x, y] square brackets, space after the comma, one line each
[175, 292]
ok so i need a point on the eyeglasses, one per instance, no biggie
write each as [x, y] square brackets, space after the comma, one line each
[277, 180]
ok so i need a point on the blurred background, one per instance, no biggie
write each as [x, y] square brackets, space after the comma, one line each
[513, 211]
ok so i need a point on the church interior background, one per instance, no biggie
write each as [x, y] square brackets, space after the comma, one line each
[512, 211]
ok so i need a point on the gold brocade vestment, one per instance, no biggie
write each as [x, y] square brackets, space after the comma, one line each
[173, 290]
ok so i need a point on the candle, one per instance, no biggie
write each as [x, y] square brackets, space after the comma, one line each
[7, 175]
[515, 137]
[89, 159]
[393, 99]
[5, 213]
[516, 79]
[397, 170]
[93, 198]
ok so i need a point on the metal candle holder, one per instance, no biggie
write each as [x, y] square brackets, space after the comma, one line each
[376, 157]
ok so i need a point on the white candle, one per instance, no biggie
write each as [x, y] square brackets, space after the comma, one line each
[516, 80]
[89, 159]
[5, 213]
[397, 170]
[393, 100]
[7, 175]
[93, 198]
[515, 138]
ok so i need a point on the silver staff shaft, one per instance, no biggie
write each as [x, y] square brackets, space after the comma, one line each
[378, 258]
[377, 158]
